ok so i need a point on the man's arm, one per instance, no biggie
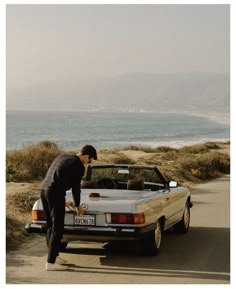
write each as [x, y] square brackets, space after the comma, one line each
[76, 191]
[77, 174]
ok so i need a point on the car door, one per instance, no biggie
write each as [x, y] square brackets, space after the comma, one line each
[172, 201]
[175, 199]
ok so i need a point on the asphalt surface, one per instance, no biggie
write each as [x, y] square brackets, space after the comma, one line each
[202, 256]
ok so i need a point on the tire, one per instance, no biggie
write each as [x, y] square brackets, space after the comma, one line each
[150, 246]
[182, 226]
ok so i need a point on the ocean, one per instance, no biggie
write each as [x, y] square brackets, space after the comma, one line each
[70, 130]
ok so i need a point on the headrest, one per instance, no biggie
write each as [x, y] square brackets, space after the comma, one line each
[89, 184]
[137, 185]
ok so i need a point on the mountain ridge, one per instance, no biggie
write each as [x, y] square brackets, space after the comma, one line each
[129, 92]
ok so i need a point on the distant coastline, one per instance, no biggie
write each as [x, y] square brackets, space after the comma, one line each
[71, 129]
[223, 115]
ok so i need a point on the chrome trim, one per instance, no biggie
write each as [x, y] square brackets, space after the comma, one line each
[85, 228]
[38, 225]
[128, 230]
[39, 222]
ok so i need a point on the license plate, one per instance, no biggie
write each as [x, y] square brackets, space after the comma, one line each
[85, 220]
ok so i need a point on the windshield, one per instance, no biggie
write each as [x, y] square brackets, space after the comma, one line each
[148, 175]
[124, 178]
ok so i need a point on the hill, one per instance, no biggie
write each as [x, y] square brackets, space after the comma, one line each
[130, 92]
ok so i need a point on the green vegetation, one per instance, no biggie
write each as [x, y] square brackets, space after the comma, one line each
[187, 164]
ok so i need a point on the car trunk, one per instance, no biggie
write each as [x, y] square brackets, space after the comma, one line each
[100, 203]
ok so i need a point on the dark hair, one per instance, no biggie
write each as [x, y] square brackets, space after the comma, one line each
[89, 150]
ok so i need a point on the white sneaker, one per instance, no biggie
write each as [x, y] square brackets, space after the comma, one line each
[60, 260]
[55, 267]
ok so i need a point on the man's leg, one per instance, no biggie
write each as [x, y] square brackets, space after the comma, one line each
[57, 210]
[47, 213]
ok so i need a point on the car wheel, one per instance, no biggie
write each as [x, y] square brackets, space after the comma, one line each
[182, 226]
[151, 244]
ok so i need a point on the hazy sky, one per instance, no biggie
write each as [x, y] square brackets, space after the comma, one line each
[56, 42]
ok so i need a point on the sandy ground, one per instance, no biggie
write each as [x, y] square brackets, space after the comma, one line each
[13, 188]
[20, 198]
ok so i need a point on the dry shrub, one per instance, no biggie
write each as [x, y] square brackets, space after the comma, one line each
[179, 174]
[165, 149]
[212, 145]
[30, 162]
[146, 149]
[121, 158]
[199, 148]
[18, 213]
[154, 159]
[197, 162]
[194, 149]
[106, 156]
[14, 232]
[208, 165]
[22, 202]
[171, 155]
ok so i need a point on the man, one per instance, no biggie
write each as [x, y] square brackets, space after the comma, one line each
[65, 173]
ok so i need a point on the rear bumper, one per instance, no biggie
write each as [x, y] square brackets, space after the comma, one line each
[97, 233]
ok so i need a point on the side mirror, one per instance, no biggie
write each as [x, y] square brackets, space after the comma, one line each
[173, 184]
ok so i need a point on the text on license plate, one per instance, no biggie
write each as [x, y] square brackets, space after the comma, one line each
[84, 220]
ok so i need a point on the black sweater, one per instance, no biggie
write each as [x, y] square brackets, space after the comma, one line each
[65, 173]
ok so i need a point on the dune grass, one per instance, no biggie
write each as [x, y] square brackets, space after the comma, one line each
[31, 162]
[191, 163]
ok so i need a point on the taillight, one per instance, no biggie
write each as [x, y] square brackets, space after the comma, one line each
[127, 218]
[94, 195]
[38, 215]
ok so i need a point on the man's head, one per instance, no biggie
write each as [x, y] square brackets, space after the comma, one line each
[87, 154]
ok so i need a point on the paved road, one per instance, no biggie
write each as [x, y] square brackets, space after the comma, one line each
[200, 257]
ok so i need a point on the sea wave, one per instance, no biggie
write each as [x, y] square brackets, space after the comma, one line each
[173, 144]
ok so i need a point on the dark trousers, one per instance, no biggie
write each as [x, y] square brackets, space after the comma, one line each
[54, 209]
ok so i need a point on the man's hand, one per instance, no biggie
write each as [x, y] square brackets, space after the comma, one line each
[80, 210]
[68, 204]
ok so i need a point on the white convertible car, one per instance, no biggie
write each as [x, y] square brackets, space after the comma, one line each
[123, 202]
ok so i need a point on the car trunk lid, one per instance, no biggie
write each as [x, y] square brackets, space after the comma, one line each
[101, 202]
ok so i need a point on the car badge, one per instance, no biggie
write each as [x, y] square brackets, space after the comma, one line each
[84, 206]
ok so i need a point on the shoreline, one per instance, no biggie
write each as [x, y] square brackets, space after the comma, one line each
[172, 144]
[153, 130]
